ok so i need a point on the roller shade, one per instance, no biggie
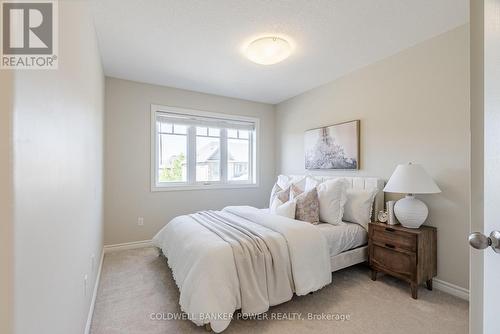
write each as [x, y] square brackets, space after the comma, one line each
[204, 121]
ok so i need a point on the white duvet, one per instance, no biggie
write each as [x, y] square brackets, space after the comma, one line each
[203, 264]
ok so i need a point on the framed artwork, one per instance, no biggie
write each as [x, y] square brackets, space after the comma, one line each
[333, 147]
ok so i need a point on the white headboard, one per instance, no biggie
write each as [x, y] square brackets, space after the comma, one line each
[362, 183]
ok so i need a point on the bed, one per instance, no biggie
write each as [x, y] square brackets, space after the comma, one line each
[358, 254]
[243, 258]
[344, 257]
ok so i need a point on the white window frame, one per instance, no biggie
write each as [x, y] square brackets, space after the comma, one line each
[192, 184]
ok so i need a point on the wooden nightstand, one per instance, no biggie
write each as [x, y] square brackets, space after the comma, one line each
[405, 253]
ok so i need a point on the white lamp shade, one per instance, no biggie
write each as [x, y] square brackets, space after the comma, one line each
[411, 179]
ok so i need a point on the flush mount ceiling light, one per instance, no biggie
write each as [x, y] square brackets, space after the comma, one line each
[268, 50]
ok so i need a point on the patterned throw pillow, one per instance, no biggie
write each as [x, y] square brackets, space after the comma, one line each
[307, 204]
[282, 194]
[295, 191]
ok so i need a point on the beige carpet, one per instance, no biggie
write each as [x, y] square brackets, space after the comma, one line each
[136, 283]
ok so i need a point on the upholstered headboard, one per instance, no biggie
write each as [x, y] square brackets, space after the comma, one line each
[359, 182]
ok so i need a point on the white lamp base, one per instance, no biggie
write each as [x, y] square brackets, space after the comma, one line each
[410, 211]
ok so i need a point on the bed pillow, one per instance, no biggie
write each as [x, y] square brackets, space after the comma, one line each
[278, 192]
[298, 182]
[310, 183]
[295, 191]
[332, 196]
[286, 209]
[358, 207]
[307, 204]
[283, 181]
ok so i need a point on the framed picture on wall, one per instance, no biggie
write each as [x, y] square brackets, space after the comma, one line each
[333, 147]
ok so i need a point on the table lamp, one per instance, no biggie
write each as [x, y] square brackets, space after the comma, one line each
[411, 179]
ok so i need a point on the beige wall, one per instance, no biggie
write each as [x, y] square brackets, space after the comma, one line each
[413, 106]
[127, 160]
[58, 147]
[6, 193]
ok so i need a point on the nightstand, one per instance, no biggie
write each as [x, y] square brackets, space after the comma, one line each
[405, 253]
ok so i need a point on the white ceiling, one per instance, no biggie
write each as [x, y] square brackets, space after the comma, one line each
[196, 44]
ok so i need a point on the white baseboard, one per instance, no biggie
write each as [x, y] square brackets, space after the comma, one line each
[94, 295]
[452, 289]
[127, 245]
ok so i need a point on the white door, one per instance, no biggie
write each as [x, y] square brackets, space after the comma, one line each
[485, 162]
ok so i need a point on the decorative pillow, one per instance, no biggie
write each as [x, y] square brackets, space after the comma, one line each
[282, 194]
[283, 181]
[307, 205]
[358, 208]
[295, 191]
[332, 196]
[311, 182]
[286, 209]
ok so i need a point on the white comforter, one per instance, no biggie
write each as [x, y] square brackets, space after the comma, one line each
[203, 264]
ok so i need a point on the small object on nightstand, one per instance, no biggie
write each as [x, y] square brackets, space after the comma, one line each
[391, 218]
[406, 253]
[382, 216]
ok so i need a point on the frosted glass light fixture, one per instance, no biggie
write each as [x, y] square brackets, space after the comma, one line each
[268, 50]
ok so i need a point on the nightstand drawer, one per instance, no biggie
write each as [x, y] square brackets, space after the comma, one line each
[397, 262]
[390, 236]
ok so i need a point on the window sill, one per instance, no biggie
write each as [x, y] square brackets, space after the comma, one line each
[204, 187]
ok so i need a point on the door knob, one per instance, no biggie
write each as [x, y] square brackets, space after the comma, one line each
[480, 241]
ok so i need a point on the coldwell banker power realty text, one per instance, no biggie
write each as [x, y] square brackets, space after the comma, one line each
[29, 34]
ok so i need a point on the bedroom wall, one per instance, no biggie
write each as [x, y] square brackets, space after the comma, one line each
[127, 160]
[58, 169]
[413, 106]
[6, 193]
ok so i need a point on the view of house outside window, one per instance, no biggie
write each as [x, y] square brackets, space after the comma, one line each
[207, 154]
[238, 155]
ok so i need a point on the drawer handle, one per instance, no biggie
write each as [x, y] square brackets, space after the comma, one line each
[390, 246]
[388, 229]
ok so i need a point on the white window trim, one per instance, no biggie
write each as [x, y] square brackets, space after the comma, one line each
[157, 186]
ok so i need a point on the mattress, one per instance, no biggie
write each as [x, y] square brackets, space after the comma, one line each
[343, 237]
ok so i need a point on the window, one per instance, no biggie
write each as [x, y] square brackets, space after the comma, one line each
[208, 166]
[238, 154]
[201, 150]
